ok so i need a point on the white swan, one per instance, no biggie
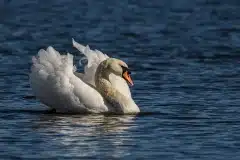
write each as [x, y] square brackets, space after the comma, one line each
[102, 87]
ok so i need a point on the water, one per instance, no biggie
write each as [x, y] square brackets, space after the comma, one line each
[185, 57]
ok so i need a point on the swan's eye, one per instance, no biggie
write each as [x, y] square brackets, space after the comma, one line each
[124, 69]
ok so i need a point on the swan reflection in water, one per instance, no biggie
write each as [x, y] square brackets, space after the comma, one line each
[89, 134]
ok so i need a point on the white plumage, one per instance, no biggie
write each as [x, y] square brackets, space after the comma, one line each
[55, 83]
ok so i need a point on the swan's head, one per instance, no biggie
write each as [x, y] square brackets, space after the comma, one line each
[119, 68]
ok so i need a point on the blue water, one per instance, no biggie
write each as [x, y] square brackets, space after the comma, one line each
[185, 57]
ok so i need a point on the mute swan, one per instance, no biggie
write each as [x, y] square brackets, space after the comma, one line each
[101, 88]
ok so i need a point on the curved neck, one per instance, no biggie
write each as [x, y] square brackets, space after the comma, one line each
[119, 103]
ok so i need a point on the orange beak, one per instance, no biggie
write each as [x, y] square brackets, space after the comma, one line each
[127, 77]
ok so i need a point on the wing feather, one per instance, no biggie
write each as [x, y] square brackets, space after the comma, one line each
[54, 83]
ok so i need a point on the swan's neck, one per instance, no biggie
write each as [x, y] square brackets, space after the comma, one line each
[119, 102]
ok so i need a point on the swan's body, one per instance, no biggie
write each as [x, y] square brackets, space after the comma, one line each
[100, 89]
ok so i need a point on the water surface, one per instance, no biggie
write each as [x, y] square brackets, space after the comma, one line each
[185, 57]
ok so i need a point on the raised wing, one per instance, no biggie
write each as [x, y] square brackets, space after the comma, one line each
[54, 83]
[95, 57]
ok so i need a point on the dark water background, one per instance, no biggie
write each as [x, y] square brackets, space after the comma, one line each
[186, 60]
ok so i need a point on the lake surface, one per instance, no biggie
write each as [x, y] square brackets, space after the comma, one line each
[185, 57]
